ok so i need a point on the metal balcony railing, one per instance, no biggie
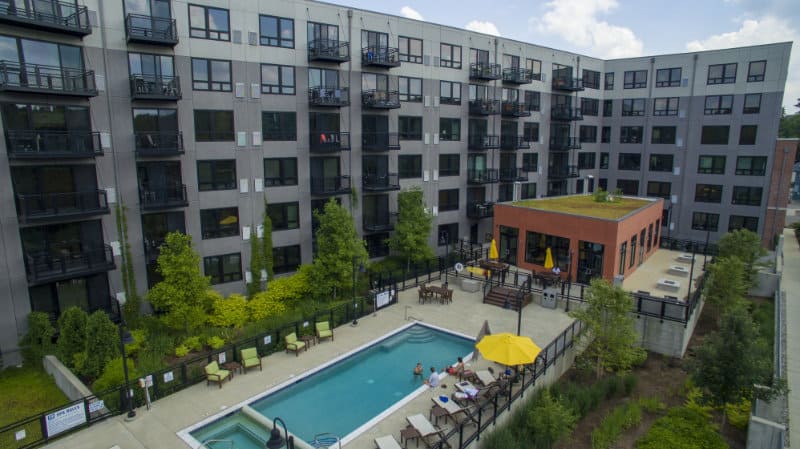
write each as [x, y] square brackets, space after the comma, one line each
[379, 222]
[44, 144]
[148, 87]
[513, 174]
[484, 107]
[164, 198]
[146, 29]
[158, 144]
[73, 260]
[563, 171]
[328, 50]
[480, 209]
[512, 109]
[558, 143]
[482, 176]
[567, 83]
[44, 79]
[483, 142]
[484, 71]
[49, 15]
[328, 141]
[378, 56]
[380, 99]
[380, 182]
[512, 143]
[562, 112]
[335, 97]
[52, 206]
[517, 76]
[330, 185]
[379, 141]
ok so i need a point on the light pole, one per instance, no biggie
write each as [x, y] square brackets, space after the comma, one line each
[355, 301]
[446, 238]
[569, 279]
[126, 338]
[276, 441]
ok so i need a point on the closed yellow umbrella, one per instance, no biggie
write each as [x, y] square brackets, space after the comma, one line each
[508, 349]
[548, 259]
[493, 254]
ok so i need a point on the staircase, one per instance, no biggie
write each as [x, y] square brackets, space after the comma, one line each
[504, 297]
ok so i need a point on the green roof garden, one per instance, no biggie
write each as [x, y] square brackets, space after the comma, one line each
[586, 205]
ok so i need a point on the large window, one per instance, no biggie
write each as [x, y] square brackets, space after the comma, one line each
[747, 134]
[211, 74]
[222, 269]
[284, 216]
[708, 193]
[278, 125]
[741, 222]
[591, 79]
[588, 134]
[277, 79]
[747, 196]
[661, 162]
[450, 92]
[216, 175]
[528, 190]
[535, 66]
[628, 186]
[659, 189]
[633, 107]
[285, 259]
[276, 31]
[448, 199]
[151, 67]
[751, 165]
[217, 223]
[410, 128]
[410, 49]
[605, 134]
[530, 162]
[635, 79]
[702, 221]
[587, 161]
[533, 101]
[608, 108]
[213, 126]
[668, 77]
[623, 252]
[604, 160]
[756, 70]
[280, 172]
[410, 89]
[665, 106]
[536, 245]
[715, 135]
[722, 73]
[450, 56]
[449, 165]
[590, 106]
[752, 104]
[663, 135]
[718, 105]
[631, 134]
[450, 129]
[609, 81]
[409, 166]
[447, 234]
[206, 22]
[711, 165]
[530, 131]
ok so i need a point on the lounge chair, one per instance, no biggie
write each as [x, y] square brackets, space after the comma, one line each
[250, 359]
[215, 374]
[324, 330]
[431, 436]
[387, 442]
[458, 414]
[293, 344]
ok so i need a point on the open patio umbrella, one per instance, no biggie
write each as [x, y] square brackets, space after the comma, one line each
[493, 254]
[548, 259]
[508, 349]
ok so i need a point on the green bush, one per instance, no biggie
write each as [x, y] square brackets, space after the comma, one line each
[549, 421]
[38, 342]
[193, 343]
[502, 438]
[102, 344]
[113, 376]
[229, 312]
[739, 414]
[72, 334]
[629, 381]
[215, 342]
[139, 338]
[181, 351]
[682, 428]
[620, 419]
[652, 405]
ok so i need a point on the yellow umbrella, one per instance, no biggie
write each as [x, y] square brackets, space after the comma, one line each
[508, 349]
[493, 250]
[548, 260]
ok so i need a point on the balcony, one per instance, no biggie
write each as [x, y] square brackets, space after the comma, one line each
[513, 174]
[329, 97]
[143, 29]
[69, 262]
[146, 87]
[517, 76]
[380, 99]
[480, 209]
[164, 198]
[158, 144]
[380, 182]
[482, 176]
[330, 185]
[558, 143]
[328, 50]
[56, 206]
[152, 249]
[562, 172]
[511, 109]
[48, 15]
[44, 79]
[567, 83]
[484, 107]
[566, 113]
[482, 142]
[385, 57]
[379, 141]
[43, 144]
[484, 71]
[513, 143]
[329, 141]
[379, 223]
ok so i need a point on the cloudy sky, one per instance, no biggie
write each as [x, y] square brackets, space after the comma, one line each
[619, 28]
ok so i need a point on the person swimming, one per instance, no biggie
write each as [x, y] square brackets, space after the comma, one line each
[418, 369]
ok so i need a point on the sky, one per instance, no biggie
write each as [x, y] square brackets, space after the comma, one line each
[619, 28]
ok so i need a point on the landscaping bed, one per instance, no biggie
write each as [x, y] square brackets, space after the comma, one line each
[25, 392]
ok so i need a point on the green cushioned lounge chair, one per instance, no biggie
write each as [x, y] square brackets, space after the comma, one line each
[215, 374]
[250, 359]
[324, 330]
[293, 344]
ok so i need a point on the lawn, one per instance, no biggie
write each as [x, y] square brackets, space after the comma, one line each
[25, 392]
[586, 205]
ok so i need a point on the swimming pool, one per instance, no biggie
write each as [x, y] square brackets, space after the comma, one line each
[344, 396]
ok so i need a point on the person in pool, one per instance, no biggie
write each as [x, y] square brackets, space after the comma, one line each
[418, 369]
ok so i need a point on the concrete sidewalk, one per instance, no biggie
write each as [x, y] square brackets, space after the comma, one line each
[790, 284]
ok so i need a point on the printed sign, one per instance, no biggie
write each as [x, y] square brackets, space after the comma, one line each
[20, 435]
[222, 358]
[168, 377]
[383, 298]
[267, 339]
[96, 406]
[64, 419]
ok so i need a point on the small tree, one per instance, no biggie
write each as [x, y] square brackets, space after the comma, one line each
[413, 227]
[102, 344]
[549, 421]
[746, 246]
[726, 286]
[72, 335]
[266, 244]
[38, 342]
[339, 250]
[610, 333]
[256, 265]
[229, 312]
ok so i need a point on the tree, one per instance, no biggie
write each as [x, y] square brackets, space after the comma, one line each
[611, 338]
[790, 126]
[102, 344]
[38, 342]
[413, 227]
[181, 295]
[549, 421]
[339, 251]
[746, 245]
[72, 335]
[725, 287]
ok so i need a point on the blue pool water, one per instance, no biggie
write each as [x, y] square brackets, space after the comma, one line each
[347, 394]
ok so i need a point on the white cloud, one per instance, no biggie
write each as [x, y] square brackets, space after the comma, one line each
[576, 22]
[483, 27]
[411, 13]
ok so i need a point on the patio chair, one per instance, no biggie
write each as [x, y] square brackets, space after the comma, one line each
[324, 330]
[215, 374]
[293, 344]
[431, 436]
[250, 359]
[387, 442]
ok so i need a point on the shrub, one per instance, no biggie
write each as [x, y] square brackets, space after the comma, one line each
[72, 334]
[652, 405]
[181, 351]
[113, 376]
[682, 428]
[501, 438]
[215, 342]
[739, 414]
[629, 382]
[694, 400]
[229, 312]
[548, 421]
[620, 419]
[102, 344]
[193, 343]
[38, 342]
[266, 304]
[139, 337]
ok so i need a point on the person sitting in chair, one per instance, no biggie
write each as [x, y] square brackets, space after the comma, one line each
[556, 270]
[456, 369]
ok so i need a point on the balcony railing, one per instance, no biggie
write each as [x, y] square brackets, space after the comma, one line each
[482, 176]
[147, 87]
[513, 174]
[329, 96]
[43, 144]
[152, 248]
[480, 209]
[380, 99]
[80, 260]
[567, 83]
[484, 107]
[563, 171]
[164, 198]
[379, 141]
[564, 143]
[484, 71]
[330, 185]
[54, 206]
[511, 109]
[145, 29]
[158, 144]
[483, 142]
[512, 143]
[380, 182]
[48, 15]
[380, 57]
[44, 79]
[562, 112]
[379, 223]
[517, 76]
[329, 141]
[328, 50]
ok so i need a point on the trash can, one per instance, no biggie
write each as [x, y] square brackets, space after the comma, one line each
[550, 298]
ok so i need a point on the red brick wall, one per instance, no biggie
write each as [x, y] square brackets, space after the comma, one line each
[779, 189]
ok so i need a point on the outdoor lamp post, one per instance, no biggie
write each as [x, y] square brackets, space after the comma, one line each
[446, 237]
[126, 338]
[360, 267]
[276, 441]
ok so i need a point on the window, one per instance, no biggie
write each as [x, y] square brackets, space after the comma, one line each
[151, 67]
[755, 71]
[449, 165]
[747, 135]
[505, 192]
[222, 269]
[211, 74]
[206, 22]
[722, 73]
[702, 221]
[528, 190]
[741, 222]
[708, 193]
[661, 162]
[216, 175]
[623, 250]
[629, 161]
[747, 196]
[711, 165]
[587, 161]
[530, 131]
[410, 128]
[609, 81]
[591, 79]
[604, 160]
[285, 259]
[213, 126]
[450, 129]
[715, 135]
[410, 89]
[633, 251]
[450, 56]
[628, 186]
[536, 246]
[530, 162]
[752, 104]
[450, 92]
[410, 49]
[605, 134]
[409, 166]
[602, 183]
[447, 234]
[532, 101]
[590, 106]
[588, 134]
[659, 189]
[663, 135]
[217, 223]
[608, 108]
[633, 107]
[668, 77]
[278, 125]
[718, 105]
[665, 106]
[535, 66]
[635, 79]
[631, 134]
[276, 31]
[751, 165]
[277, 79]
[284, 216]
[280, 172]
[448, 199]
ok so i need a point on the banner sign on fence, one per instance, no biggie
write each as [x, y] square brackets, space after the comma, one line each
[64, 419]
[96, 406]
[168, 377]
[382, 299]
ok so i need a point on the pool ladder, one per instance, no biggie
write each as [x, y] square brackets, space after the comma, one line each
[327, 441]
[206, 444]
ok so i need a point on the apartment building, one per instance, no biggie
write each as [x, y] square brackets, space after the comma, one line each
[190, 114]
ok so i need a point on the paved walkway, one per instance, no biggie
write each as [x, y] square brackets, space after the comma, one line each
[790, 283]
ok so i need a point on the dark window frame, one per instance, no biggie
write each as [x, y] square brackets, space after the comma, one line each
[284, 131]
[714, 168]
[670, 80]
[219, 169]
[409, 166]
[718, 105]
[708, 193]
[705, 221]
[453, 100]
[408, 56]
[743, 222]
[663, 135]
[287, 175]
[210, 227]
[530, 162]
[747, 195]
[281, 88]
[628, 134]
[608, 81]
[214, 268]
[629, 161]
[667, 109]
[591, 79]
[446, 123]
[748, 134]
[751, 77]
[448, 199]
[724, 76]
[282, 261]
[634, 107]
[446, 165]
[450, 62]
[657, 189]
[211, 135]
[405, 128]
[278, 39]
[223, 86]
[408, 95]
[661, 162]
[635, 79]
[711, 135]
[590, 106]
[221, 35]
[282, 219]
[751, 109]
[752, 161]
